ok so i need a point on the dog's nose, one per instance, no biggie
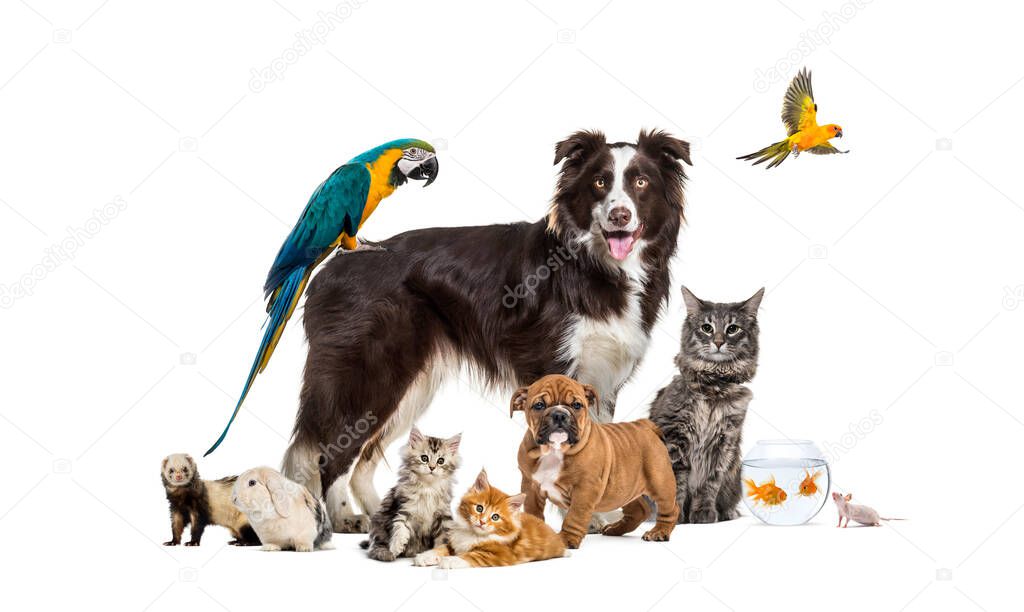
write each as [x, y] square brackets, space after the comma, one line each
[559, 418]
[620, 216]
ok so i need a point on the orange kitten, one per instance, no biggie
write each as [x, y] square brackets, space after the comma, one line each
[489, 530]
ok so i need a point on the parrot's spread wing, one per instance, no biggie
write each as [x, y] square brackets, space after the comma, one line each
[799, 111]
[825, 149]
[335, 207]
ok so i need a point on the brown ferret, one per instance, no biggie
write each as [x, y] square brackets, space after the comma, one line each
[199, 503]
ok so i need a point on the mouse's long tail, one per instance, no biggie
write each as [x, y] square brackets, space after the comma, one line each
[891, 518]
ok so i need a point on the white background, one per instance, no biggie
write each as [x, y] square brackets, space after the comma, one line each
[893, 277]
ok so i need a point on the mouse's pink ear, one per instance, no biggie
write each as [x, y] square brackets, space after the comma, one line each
[848, 496]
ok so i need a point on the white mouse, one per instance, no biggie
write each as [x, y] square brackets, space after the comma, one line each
[864, 515]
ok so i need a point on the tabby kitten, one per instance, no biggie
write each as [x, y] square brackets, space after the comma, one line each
[701, 412]
[490, 530]
[412, 516]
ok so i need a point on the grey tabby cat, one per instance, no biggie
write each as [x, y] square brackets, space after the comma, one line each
[701, 412]
[412, 516]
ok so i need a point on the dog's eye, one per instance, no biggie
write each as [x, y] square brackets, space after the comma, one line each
[640, 182]
[424, 458]
[577, 406]
[539, 406]
[732, 330]
[252, 483]
[599, 182]
[479, 508]
[706, 328]
[440, 460]
[495, 517]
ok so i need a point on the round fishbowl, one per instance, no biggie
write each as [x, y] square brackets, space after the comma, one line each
[785, 482]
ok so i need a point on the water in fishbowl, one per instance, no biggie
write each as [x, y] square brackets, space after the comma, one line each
[785, 491]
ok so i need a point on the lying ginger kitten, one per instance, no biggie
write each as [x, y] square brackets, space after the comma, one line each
[490, 530]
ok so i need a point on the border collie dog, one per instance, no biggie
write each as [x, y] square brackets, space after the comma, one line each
[575, 293]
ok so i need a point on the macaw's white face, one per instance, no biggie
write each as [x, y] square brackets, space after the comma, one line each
[418, 164]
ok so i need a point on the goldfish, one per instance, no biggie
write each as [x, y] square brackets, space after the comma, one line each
[808, 486]
[800, 114]
[767, 493]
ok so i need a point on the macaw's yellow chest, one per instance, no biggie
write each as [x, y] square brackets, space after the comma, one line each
[380, 181]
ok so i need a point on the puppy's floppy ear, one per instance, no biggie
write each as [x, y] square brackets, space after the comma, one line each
[591, 396]
[278, 491]
[481, 483]
[518, 400]
[750, 306]
[659, 142]
[578, 144]
[515, 502]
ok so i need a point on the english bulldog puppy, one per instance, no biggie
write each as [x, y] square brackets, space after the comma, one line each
[584, 466]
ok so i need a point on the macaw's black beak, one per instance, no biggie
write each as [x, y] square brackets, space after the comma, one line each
[427, 171]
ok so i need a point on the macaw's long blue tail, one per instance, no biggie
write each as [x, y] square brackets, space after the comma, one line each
[279, 310]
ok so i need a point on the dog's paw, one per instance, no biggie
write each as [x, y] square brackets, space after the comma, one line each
[357, 523]
[618, 528]
[453, 563]
[656, 535]
[426, 559]
[571, 541]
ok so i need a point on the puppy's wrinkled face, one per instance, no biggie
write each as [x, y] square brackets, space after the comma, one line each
[178, 470]
[557, 410]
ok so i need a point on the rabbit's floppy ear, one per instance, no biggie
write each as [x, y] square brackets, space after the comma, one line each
[278, 492]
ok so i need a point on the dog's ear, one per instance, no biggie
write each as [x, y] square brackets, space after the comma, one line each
[591, 396]
[518, 400]
[579, 144]
[659, 143]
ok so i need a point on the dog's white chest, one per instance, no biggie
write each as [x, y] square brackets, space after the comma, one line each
[548, 469]
[603, 352]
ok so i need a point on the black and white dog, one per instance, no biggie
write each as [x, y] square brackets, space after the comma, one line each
[386, 326]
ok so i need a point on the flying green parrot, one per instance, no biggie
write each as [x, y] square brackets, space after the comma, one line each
[331, 219]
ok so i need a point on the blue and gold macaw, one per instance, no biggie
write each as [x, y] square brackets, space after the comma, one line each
[331, 219]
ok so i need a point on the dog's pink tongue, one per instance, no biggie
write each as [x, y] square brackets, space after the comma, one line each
[620, 246]
[558, 438]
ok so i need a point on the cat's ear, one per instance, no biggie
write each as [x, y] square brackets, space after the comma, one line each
[453, 443]
[518, 400]
[415, 436]
[753, 302]
[693, 303]
[591, 394]
[515, 502]
[481, 484]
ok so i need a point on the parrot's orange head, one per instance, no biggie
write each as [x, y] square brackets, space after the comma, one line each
[837, 130]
